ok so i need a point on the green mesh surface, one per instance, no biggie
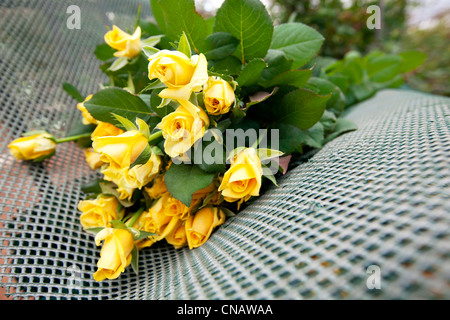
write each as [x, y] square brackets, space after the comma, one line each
[376, 196]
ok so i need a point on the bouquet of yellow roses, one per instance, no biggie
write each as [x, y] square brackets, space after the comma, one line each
[193, 121]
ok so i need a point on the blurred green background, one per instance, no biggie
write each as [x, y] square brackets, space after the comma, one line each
[422, 25]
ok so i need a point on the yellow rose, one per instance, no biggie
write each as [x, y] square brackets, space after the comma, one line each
[243, 179]
[115, 255]
[105, 129]
[181, 75]
[117, 176]
[127, 45]
[137, 177]
[182, 128]
[177, 237]
[98, 212]
[87, 118]
[200, 226]
[218, 96]
[122, 150]
[174, 207]
[156, 221]
[93, 158]
[157, 189]
[32, 147]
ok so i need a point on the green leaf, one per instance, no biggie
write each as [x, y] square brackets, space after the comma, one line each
[296, 78]
[149, 51]
[117, 224]
[143, 127]
[411, 60]
[181, 16]
[42, 158]
[104, 52]
[73, 91]
[267, 173]
[229, 65]
[354, 70]
[109, 188]
[135, 260]
[227, 212]
[302, 108]
[159, 105]
[363, 90]
[118, 64]
[208, 147]
[251, 72]
[151, 41]
[197, 178]
[266, 154]
[94, 230]
[297, 41]
[290, 137]
[341, 81]
[143, 157]
[219, 45]
[328, 121]
[92, 187]
[157, 84]
[277, 63]
[250, 23]
[33, 132]
[183, 45]
[126, 124]
[259, 97]
[315, 136]
[156, 150]
[383, 68]
[105, 102]
[158, 14]
[336, 103]
[141, 234]
[342, 126]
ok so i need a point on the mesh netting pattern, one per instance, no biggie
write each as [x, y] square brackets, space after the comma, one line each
[375, 196]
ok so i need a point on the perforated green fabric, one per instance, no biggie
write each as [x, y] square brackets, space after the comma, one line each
[376, 196]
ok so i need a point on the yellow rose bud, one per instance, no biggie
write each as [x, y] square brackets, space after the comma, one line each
[87, 118]
[181, 75]
[182, 128]
[218, 96]
[174, 207]
[157, 189]
[144, 223]
[144, 243]
[243, 179]
[93, 158]
[32, 147]
[137, 177]
[122, 150]
[200, 226]
[117, 176]
[177, 238]
[115, 255]
[156, 221]
[127, 45]
[98, 212]
[105, 129]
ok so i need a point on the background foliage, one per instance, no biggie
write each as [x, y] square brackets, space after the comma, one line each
[343, 25]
